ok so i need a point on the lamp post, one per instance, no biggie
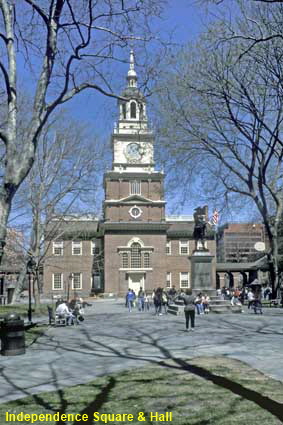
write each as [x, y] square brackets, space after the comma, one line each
[30, 268]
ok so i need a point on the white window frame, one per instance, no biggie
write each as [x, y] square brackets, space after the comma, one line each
[125, 255]
[93, 246]
[182, 280]
[146, 257]
[75, 245]
[169, 275]
[73, 280]
[184, 243]
[168, 248]
[60, 246]
[53, 282]
[135, 187]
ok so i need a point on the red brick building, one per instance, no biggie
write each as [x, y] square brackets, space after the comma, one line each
[136, 245]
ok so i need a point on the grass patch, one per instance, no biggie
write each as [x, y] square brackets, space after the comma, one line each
[22, 309]
[33, 333]
[192, 399]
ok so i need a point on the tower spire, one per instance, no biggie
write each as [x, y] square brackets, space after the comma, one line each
[132, 75]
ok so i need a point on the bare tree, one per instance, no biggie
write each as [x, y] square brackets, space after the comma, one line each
[261, 23]
[223, 121]
[67, 45]
[65, 174]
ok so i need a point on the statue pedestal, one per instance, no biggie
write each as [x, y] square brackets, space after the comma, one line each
[201, 272]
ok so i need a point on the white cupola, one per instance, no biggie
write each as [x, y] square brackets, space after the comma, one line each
[132, 112]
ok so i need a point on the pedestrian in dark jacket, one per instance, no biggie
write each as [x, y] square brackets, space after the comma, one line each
[189, 309]
[157, 300]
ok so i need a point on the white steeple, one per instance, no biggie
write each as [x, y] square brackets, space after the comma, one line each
[132, 139]
[132, 75]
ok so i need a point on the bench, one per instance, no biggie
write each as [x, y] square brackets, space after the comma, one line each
[275, 303]
[271, 303]
[57, 319]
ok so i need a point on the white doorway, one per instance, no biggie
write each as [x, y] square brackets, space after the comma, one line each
[135, 281]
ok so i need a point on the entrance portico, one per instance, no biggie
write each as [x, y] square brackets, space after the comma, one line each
[136, 281]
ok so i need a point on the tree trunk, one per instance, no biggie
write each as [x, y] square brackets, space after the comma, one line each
[20, 285]
[5, 207]
[273, 259]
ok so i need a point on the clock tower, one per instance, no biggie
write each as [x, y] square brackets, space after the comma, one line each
[134, 205]
[132, 140]
[133, 189]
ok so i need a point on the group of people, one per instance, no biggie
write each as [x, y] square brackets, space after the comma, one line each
[253, 297]
[159, 298]
[72, 311]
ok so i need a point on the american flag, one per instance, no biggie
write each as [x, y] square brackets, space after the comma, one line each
[215, 217]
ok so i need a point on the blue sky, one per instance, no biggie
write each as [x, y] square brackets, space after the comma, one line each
[185, 21]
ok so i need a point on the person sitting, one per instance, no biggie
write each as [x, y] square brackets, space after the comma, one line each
[205, 303]
[199, 304]
[64, 311]
[78, 313]
[172, 293]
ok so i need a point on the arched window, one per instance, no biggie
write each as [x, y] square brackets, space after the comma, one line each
[124, 111]
[141, 111]
[136, 255]
[133, 110]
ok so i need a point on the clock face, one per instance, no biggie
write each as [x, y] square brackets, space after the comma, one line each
[133, 151]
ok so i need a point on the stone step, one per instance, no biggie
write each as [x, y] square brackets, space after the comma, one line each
[175, 312]
[179, 302]
[226, 308]
[223, 306]
[218, 300]
[173, 307]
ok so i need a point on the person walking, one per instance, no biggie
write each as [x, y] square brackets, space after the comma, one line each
[250, 298]
[141, 299]
[158, 301]
[146, 302]
[130, 299]
[165, 300]
[189, 309]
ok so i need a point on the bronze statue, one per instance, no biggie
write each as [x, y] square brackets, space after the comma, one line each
[200, 226]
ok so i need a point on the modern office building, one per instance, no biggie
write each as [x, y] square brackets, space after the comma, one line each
[236, 242]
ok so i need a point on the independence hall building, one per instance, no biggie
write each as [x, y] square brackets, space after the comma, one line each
[134, 244]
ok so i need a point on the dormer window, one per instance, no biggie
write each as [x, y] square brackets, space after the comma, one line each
[133, 110]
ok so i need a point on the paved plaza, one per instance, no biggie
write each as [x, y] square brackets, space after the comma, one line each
[112, 339]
